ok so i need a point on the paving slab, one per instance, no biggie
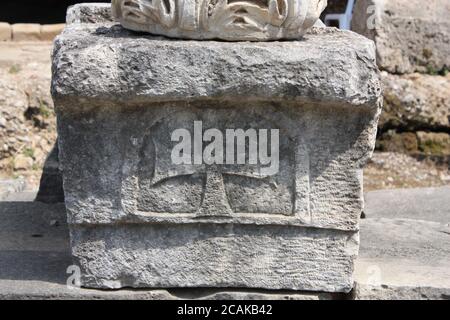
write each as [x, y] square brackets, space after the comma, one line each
[430, 204]
[201, 225]
[403, 259]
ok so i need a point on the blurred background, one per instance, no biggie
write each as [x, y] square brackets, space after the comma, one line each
[413, 147]
[36, 11]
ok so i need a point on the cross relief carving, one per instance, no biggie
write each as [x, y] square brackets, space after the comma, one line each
[213, 190]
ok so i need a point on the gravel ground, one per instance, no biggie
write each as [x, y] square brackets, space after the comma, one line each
[388, 170]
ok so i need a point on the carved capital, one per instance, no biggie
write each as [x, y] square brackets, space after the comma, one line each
[254, 20]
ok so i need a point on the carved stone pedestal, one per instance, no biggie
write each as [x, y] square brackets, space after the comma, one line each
[139, 219]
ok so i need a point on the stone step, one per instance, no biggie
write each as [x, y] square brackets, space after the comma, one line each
[403, 259]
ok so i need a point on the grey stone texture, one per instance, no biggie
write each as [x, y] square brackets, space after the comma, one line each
[215, 255]
[410, 35]
[89, 13]
[403, 258]
[138, 220]
[51, 188]
[50, 31]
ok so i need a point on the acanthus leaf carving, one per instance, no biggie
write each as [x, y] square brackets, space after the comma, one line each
[221, 19]
[143, 11]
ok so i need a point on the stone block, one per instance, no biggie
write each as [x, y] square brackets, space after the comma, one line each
[26, 32]
[410, 35]
[215, 255]
[50, 31]
[23, 162]
[138, 219]
[8, 187]
[5, 31]
[415, 102]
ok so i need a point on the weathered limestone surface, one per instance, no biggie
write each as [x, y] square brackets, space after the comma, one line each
[222, 19]
[410, 35]
[216, 255]
[89, 13]
[51, 185]
[137, 220]
[416, 102]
